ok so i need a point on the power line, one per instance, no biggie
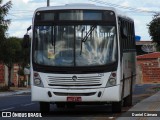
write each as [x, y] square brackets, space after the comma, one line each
[124, 7]
[19, 15]
[23, 10]
[16, 13]
[22, 18]
[19, 12]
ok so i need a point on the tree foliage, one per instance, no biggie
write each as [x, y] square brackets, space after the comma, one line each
[11, 51]
[154, 29]
[10, 54]
[4, 23]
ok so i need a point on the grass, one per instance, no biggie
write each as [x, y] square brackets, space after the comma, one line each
[4, 89]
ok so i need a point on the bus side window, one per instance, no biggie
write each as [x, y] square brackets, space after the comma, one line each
[124, 33]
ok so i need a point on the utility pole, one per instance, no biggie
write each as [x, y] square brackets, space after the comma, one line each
[48, 2]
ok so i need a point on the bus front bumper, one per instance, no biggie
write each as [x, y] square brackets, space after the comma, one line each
[109, 94]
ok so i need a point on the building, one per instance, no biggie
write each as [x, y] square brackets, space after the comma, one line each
[16, 80]
[148, 68]
[145, 47]
[3, 75]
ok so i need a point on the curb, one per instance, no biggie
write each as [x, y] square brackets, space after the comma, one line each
[3, 94]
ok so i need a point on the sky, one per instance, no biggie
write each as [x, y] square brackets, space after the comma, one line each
[141, 11]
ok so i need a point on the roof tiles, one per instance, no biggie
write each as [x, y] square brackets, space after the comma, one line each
[149, 56]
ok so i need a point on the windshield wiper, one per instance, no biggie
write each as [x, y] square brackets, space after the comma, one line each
[84, 39]
[88, 33]
[53, 38]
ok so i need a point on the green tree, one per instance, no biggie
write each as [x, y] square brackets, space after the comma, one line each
[4, 23]
[11, 53]
[154, 29]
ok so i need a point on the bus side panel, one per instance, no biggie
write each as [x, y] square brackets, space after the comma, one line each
[112, 94]
[129, 69]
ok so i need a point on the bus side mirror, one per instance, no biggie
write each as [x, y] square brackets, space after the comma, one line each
[124, 32]
[26, 41]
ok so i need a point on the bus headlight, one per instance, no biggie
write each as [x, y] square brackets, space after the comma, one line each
[37, 80]
[112, 80]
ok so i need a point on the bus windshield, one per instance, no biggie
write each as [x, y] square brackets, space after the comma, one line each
[75, 45]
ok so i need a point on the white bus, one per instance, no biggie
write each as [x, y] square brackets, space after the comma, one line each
[82, 54]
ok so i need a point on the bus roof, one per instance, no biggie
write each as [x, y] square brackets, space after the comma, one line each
[84, 6]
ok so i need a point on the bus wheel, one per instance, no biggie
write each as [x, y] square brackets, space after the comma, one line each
[127, 101]
[44, 107]
[116, 107]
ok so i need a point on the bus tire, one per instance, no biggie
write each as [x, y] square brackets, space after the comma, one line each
[117, 107]
[127, 101]
[44, 107]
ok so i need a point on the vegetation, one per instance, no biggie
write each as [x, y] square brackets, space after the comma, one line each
[154, 30]
[11, 50]
[4, 23]
[11, 53]
[4, 88]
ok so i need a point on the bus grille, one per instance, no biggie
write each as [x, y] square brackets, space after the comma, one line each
[80, 81]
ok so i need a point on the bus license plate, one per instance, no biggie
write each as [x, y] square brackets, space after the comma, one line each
[74, 99]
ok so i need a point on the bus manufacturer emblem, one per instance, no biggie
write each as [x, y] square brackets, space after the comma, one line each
[74, 78]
